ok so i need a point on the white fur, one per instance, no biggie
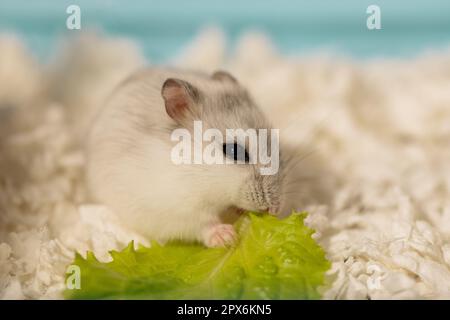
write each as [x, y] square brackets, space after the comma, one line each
[130, 169]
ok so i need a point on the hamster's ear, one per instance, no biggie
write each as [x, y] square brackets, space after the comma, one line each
[179, 98]
[223, 76]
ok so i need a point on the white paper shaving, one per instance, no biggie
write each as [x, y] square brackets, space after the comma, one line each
[381, 128]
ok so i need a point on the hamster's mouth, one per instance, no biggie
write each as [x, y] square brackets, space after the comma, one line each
[272, 210]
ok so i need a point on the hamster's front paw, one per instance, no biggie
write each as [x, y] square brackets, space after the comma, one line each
[219, 235]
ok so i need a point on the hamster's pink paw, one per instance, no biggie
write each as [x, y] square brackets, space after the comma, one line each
[220, 235]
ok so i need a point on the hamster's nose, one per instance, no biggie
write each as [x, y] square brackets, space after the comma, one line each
[274, 209]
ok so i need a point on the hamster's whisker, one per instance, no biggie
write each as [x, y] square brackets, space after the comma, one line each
[293, 165]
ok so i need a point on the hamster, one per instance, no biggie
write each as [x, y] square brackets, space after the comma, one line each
[129, 166]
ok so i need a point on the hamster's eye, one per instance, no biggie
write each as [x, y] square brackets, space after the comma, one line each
[235, 151]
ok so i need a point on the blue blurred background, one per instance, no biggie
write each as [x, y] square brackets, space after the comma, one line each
[162, 28]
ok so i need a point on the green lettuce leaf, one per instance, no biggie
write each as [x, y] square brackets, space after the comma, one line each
[274, 259]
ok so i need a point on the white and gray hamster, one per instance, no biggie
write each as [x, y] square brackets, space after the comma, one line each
[129, 157]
